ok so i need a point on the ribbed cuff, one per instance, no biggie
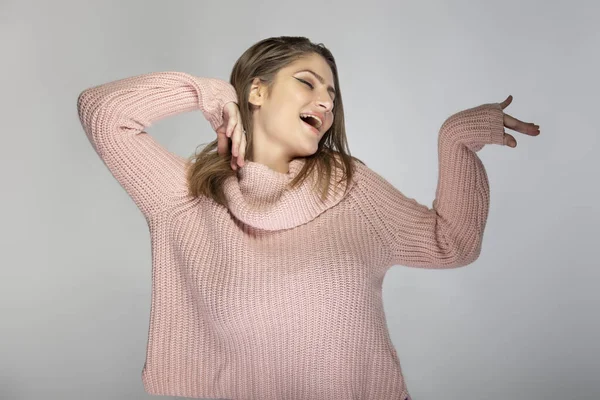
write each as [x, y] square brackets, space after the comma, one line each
[496, 124]
[224, 93]
[475, 127]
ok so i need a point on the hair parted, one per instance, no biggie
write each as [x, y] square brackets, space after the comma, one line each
[207, 170]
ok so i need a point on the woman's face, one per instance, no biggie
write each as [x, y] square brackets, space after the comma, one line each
[280, 135]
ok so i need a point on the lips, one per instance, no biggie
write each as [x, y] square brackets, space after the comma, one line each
[315, 114]
[312, 128]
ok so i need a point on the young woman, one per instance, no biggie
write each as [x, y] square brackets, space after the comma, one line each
[270, 246]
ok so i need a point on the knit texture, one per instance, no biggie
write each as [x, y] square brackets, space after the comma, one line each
[279, 295]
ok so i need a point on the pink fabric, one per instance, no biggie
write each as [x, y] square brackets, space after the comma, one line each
[279, 296]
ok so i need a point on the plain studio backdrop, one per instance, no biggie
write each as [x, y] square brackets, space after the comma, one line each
[521, 322]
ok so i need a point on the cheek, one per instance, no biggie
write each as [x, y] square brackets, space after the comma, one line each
[329, 121]
[281, 119]
[275, 113]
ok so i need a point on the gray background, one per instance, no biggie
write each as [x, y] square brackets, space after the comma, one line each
[519, 323]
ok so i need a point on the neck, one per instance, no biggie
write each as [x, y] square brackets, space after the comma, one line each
[266, 152]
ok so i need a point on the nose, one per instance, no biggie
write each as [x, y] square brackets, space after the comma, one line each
[325, 102]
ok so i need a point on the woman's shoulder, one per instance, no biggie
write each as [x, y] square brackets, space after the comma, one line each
[367, 178]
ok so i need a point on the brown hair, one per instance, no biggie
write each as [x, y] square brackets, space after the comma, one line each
[207, 170]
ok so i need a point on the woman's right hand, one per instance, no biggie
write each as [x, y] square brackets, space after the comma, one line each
[232, 128]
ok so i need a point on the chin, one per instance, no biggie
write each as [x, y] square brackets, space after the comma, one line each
[309, 153]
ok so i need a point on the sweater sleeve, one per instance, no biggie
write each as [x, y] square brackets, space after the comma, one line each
[115, 114]
[449, 234]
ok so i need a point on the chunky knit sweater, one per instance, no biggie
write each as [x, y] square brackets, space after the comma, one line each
[278, 296]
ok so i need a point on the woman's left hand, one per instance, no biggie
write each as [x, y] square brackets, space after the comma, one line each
[528, 128]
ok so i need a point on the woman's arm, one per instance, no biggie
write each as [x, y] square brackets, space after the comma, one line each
[114, 116]
[450, 234]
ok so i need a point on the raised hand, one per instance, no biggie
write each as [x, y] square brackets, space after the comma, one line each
[232, 127]
[528, 128]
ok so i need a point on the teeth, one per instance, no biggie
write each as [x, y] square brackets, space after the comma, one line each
[315, 117]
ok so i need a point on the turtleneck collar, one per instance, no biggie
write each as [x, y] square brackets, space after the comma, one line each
[260, 197]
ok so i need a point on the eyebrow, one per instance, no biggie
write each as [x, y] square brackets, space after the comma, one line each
[320, 78]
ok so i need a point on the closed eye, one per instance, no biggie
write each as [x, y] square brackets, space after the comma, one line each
[303, 81]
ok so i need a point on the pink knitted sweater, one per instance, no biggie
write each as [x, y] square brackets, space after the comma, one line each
[279, 296]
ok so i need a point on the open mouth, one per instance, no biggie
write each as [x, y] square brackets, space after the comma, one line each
[311, 121]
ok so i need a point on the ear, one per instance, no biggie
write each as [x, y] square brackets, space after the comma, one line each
[257, 92]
